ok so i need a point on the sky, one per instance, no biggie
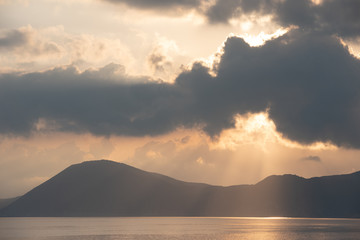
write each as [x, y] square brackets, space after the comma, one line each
[223, 92]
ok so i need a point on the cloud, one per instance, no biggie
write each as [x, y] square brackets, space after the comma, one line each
[311, 158]
[29, 49]
[25, 41]
[102, 102]
[158, 61]
[13, 39]
[332, 16]
[192, 161]
[223, 10]
[165, 60]
[308, 83]
[161, 5]
[8, 2]
[22, 48]
[340, 16]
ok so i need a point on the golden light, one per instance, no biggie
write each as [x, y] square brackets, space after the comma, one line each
[262, 37]
[259, 130]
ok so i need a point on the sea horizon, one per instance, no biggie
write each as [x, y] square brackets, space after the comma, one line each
[165, 228]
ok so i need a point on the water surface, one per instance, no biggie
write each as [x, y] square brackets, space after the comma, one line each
[164, 228]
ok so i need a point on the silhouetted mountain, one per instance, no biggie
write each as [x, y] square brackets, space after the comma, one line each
[106, 188]
[4, 202]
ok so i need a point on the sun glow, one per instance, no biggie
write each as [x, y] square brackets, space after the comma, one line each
[258, 129]
[317, 2]
[262, 37]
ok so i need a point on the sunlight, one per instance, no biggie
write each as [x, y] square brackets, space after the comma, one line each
[259, 121]
[261, 38]
[251, 128]
[317, 2]
[259, 130]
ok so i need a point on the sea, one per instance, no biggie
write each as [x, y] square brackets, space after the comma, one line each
[178, 228]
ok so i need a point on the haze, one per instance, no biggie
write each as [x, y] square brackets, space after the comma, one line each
[221, 92]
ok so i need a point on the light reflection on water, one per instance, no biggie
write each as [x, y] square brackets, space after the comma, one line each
[164, 228]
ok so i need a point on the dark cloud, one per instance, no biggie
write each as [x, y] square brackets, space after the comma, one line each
[311, 158]
[160, 4]
[332, 16]
[309, 83]
[295, 12]
[91, 101]
[158, 61]
[222, 11]
[341, 17]
[26, 42]
[12, 39]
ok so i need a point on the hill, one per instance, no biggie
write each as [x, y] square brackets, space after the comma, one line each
[4, 202]
[106, 188]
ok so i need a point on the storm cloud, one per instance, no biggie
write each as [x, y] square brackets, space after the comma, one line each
[332, 16]
[308, 82]
[65, 100]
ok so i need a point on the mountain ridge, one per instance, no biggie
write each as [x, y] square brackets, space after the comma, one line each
[107, 188]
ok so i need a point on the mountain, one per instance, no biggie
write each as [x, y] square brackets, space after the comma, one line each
[106, 188]
[4, 202]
